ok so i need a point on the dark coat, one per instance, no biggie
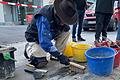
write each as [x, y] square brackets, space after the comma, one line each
[104, 6]
[31, 33]
[81, 4]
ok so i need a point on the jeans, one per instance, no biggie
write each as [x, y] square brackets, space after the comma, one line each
[81, 16]
[118, 32]
[102, 21]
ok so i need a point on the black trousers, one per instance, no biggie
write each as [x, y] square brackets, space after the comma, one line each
[102, 21]
[81, 17]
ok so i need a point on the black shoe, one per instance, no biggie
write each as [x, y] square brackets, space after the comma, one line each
[104, 39]
[81, 39]
[74, 39]
[96, 41]
[38, 62]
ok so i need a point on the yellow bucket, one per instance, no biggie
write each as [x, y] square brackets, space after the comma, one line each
[68, 49]
[79, 52]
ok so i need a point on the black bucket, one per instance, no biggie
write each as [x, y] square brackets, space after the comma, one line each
[7, 67]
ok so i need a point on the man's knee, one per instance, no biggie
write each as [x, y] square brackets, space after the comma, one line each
[35, 50]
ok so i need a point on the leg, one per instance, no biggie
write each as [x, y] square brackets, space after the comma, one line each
[105, 25]
[118, 34]
[38, 55]
[35, 50]
[74, 32]
[99, 25]
[81, 17]
[61, 41]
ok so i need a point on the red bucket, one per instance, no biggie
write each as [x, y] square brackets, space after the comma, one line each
[117, 58]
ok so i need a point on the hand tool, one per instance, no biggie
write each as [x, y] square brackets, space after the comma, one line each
[76, 68]
[37, 73]
[77, 65]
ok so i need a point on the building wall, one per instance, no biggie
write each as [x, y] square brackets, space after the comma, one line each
[8, 13]
[15, 14]
[2, 20]
[46, 2]
[38, 2]
[51, 1]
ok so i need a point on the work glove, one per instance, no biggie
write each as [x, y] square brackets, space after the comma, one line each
[63, 59]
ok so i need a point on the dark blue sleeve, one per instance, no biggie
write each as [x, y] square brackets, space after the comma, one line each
[44, 34]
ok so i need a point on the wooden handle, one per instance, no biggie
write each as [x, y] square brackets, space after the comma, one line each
[7, 49]
[77, 65]
[29, 65]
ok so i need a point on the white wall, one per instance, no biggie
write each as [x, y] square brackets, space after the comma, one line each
[46, 2]
[2, 20]
[8, 13]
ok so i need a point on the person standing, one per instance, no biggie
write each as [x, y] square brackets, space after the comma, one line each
[103, 12]
[118, 32]
[81, 5]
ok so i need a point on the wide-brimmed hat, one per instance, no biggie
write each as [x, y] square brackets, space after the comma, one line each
[66, 10]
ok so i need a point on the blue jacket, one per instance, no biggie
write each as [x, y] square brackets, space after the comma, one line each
[44, 35]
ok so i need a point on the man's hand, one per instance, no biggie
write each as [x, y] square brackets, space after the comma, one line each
[63, 60]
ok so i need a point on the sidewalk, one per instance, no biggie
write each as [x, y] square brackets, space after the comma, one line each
[13, 25]
[56, 71]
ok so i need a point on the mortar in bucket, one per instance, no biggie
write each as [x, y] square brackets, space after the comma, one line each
[100, 60]
[79, 52]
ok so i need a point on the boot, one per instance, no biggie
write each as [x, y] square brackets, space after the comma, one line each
[97, 43]
[38, 62]
[74, 39]
[104, 38]
[81, 39]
